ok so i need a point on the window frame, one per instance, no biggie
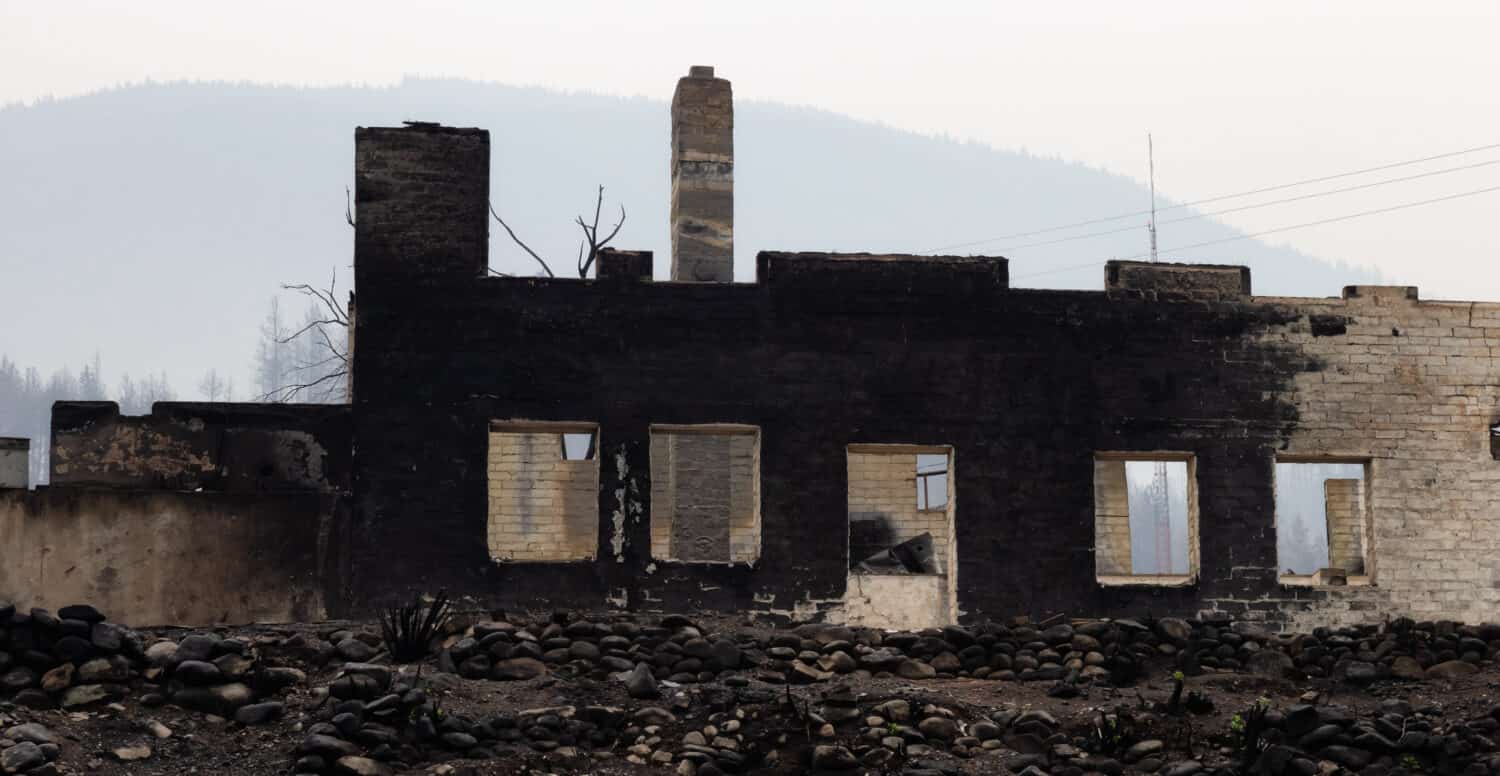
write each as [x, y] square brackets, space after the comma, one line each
[1366, 579]
[528, 426]
[757, 519]
[1194, 537]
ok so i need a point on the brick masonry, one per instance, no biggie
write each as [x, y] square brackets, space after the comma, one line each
[883, 490]
[703, 178]
[1111, 518]
[827, 351]
[1344, 505]
[703, 500]
[542, 507]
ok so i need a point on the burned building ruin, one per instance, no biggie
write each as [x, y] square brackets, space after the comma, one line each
[887, 440]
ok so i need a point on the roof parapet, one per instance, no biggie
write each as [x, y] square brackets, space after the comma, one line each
[1157, 279]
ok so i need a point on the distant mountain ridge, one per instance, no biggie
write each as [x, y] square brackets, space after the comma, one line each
[152, 223]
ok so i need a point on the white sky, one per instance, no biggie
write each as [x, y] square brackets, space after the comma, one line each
[1238, 96]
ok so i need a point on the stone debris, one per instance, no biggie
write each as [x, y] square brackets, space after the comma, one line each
[739, 700]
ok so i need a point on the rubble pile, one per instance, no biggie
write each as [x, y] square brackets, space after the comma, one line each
[702, 697]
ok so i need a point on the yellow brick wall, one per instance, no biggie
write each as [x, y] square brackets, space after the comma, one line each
[1111, 518]
[742, 470]
[1413, 386]
[542, 507]
[884, 486]
[1344, 503]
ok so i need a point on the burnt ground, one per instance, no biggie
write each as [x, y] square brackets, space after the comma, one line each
[1093, 732]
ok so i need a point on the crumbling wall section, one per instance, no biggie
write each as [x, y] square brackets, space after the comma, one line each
[193, 446]
[167, 558]
[15, 462]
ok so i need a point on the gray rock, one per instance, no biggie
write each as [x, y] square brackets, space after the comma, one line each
[326, 747]
[195, 647]
[1174, 630]
[1348, 756]
[34, 732]
[641, 683]
[1359, 672]
[127, 754]
[1406, 667]
[984, 730]
[939, 727]
[653, 715]
[459, 741]
[17, 679]
[1270, 662]
[1451, 669]
[198, 672]
[381, 674]
[104, 669]
[259, 713]
[915, 669]
[276, 679]
[833, 758]
[354, 650]
[83, 612]
[223, 699]
[518, 668]
[162, 653]
[1144, 749]
[360, 766]
[22, 757]
[83, 694]
[107, 637]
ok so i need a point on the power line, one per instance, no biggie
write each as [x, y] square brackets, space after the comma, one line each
[1263, 190]
[1277, 230]
[1240, 208]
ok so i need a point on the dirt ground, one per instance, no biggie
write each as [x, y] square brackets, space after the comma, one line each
[197, 743]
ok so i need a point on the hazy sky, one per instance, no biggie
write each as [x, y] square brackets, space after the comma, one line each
[1238, 96]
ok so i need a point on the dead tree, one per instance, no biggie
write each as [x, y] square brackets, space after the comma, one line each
[328, 358]
[588, 247]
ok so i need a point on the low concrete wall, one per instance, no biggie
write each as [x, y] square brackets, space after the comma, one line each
[166, 557]
[897, 601]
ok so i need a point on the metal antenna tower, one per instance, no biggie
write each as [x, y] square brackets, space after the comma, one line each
[1151, 166]
[1161, 509]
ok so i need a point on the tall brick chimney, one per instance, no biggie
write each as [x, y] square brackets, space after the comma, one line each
[703, 178]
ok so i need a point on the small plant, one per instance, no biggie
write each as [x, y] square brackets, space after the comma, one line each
[409, 630]
[1247, 729]
[1173, 706]
[1410, 762]
[1113, 733]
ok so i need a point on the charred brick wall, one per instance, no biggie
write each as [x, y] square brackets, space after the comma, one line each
[823, 353]
[827, 351]
[204, 446]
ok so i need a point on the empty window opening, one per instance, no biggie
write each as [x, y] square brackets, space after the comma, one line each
[705, 493]
[578, 446]
[889, 533]
[1322, 520]
[1495, 441]
[543, 491]
[932, 481]
[1145, 518]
